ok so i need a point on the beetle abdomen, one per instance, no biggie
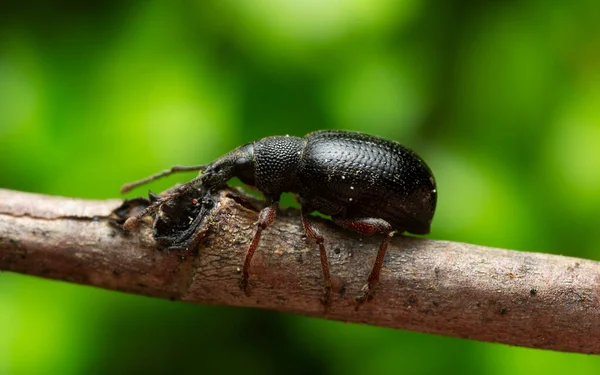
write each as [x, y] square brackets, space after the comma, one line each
[355, 175]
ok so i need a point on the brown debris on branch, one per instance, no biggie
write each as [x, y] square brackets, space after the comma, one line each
[448, 288]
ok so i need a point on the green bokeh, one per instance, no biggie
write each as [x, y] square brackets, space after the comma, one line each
[501, 98]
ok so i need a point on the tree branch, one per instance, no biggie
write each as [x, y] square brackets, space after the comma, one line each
[527, 299]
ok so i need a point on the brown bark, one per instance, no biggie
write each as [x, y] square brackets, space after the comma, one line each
[527, 299]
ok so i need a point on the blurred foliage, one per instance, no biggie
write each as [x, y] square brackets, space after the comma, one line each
[501, 98]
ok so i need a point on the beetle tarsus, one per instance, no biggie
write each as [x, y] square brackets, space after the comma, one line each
[366, 294]
[245, 285]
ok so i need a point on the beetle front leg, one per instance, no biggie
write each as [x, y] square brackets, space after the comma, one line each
[266, 217]
[370, 226]
[312, 232]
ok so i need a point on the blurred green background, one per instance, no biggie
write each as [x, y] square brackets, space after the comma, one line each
[502, 98]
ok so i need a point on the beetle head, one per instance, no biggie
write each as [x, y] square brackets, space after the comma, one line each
[237, 163]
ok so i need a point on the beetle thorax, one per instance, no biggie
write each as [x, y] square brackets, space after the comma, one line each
[276, 163]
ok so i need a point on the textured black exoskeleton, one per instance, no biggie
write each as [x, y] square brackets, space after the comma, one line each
[365, 183]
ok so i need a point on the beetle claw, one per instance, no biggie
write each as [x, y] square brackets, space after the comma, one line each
[366, 294]
[245, 285]
[326, 299]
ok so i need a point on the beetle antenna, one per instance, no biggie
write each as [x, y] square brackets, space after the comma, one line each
[178, 168]
[182, 189]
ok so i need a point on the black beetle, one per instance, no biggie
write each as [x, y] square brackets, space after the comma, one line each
[365, 183]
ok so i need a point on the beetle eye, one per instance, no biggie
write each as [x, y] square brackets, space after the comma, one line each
[244, 170]
[240, 162]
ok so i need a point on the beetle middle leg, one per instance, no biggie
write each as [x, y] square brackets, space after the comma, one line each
[266, 217]
[370, 226]
[312, 232]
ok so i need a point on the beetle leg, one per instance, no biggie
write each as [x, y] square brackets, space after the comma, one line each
[312, 232]
[266, 217]
[370, 226]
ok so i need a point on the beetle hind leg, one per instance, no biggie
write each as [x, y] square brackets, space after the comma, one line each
[370, 226]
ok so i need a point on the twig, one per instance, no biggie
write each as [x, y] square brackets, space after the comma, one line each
[527, 299]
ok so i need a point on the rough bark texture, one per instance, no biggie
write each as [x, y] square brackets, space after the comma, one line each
[527, 299]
